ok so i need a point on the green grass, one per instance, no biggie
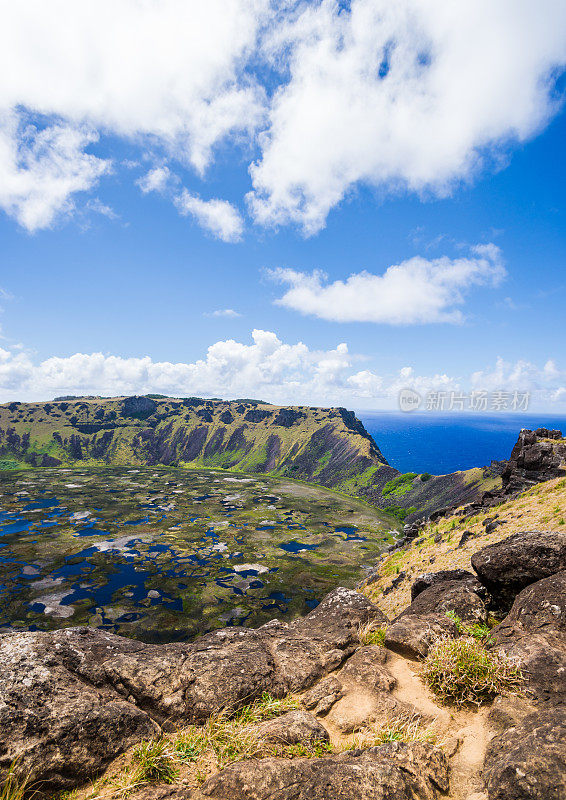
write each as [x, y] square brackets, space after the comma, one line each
[369, 634]
[400, 485]
[477, 630]
[13, 787]
[153, 761]
[463, 671]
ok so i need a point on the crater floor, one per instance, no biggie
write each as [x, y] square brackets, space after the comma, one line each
[165, 554]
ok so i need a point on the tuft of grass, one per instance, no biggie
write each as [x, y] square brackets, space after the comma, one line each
[13, 787]
[477, 630]
[403, 728]
[370, 634]
[463, 671]
[153, 761]
[267, 707]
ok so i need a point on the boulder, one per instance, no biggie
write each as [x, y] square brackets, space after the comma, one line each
[460, 596]
[72, 700]
[428, 579]
[415, 771]
[295, 727]
[528, 761]
[59, 727]
[534, 634]
[507, 567]
[411, 635]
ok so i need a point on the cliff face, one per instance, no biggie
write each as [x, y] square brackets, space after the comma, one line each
[329, 446]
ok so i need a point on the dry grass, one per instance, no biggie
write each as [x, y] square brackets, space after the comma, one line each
[397, 729]
[543, 507]
[463, 671]
[193, 753]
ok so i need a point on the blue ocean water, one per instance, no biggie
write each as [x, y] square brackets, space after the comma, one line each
[441, 443]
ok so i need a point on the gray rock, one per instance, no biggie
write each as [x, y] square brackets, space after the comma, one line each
[366, 667]
[412, 636]
[508, 711]
[295, 727]
[413, 771]
[322, 697]
[528, 761]
[59, 727]
[460, 596]
[534, 634]
[507, 567]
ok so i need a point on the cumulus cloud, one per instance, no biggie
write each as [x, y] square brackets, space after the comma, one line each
[41, 169]
[266, 367]
[522, 375]
[218, 217]
[157, 179]
[416, 291]
[415, 95]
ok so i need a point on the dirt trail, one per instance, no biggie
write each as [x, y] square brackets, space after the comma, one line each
[463, 734]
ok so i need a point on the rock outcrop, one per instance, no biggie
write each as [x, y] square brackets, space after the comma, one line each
[507, 567]
[528, 760]
[72, 700]
[537, 456]
[413, 771]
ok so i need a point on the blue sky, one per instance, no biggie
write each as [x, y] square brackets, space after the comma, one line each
[123, 230]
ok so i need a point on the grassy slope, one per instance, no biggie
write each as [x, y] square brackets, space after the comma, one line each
[328, 446]
[543, 507]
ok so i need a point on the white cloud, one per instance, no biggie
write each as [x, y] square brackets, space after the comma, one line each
[41, 169]
[169, 74]
[157, 179]
[218, 217]
[267, 368]
[412, 95]
[522, 376]
[415, 291]
[224, 312]
[409, 95]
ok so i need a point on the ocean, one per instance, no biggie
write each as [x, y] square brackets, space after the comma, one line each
[441, 443]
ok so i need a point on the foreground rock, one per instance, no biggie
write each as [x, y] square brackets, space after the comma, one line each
[528, 761]
[507, 567]
[534, 634]
[72, 700]
[413, 771]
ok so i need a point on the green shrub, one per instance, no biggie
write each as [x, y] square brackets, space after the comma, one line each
[426, 476]
[463, 671]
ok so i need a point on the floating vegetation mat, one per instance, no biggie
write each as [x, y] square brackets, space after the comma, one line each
[165, 554]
